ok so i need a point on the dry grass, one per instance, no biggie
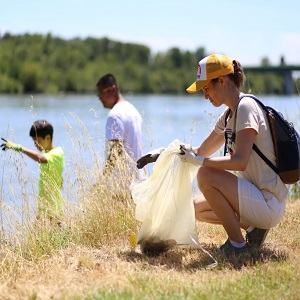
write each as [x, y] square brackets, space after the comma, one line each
[91, 256]
[78, 271]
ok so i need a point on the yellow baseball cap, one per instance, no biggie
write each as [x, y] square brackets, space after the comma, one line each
[211, 67]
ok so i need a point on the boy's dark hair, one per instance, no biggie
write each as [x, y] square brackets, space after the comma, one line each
[107, 80]
[41, 128]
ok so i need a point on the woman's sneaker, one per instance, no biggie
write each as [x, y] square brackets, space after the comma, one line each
[229, 250]
[256, 237]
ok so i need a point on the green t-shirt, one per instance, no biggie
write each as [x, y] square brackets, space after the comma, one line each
[50, 202]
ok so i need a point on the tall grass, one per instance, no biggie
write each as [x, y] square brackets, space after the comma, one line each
[95, 214]
[104, 211]
[90, 257]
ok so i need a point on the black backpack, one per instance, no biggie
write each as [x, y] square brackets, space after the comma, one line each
[286, 142]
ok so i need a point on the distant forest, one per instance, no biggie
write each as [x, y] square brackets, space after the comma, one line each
[34, 63]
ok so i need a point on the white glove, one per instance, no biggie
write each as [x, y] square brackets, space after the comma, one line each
[187, 154]
[149, 157]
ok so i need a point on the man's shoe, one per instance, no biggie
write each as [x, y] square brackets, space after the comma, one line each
[256, 237]
[229, 250]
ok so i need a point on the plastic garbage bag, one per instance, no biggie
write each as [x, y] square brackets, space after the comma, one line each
[164, 202]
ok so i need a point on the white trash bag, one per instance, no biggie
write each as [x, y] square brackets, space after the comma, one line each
[164, 203]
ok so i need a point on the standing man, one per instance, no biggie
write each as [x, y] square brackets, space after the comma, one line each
[123, 131]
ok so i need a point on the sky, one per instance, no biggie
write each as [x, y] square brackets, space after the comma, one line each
[247, 31]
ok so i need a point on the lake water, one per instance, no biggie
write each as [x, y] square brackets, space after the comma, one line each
[79, 122]
[188, 118]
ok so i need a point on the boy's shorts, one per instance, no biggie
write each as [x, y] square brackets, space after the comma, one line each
[257, 210]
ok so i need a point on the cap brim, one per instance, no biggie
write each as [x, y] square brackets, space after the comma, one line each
[197, 85]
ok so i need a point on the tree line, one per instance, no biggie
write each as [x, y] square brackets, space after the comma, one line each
[35, 63]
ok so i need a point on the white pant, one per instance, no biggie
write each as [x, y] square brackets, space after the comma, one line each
[257, 210]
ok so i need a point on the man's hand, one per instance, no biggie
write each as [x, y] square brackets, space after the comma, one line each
[10, 145]
[149, 157]
[187, 154]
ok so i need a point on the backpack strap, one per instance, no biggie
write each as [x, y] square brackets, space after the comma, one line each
[254, 147]
[266, 160]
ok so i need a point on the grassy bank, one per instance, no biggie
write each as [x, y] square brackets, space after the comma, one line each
[61, 264]
[90, 257]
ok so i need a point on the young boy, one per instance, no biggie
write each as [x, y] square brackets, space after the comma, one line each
[51, 160]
